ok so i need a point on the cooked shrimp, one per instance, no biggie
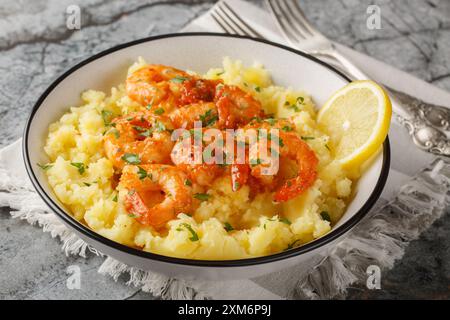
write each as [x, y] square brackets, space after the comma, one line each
[152, 84]
[296, 149]
[235, 107]
[188, 157]
[156, 193]
[290, 146]
[184, 117]
[197, 90]
[139, 138]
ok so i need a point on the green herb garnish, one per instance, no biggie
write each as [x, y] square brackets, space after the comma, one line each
[44, 167]
[179, 79]
[271, 121]
[228, 227]
[160, 126]
[307, 138]
[115, 132]
[202, 196]
[80, 166]
[326, 146]
[106, 116]
[208, 118]
[187, 182]
[159, 111]
[257, 89]
[325, 216]
[139, 128]
[142, 173]
[285, 220]
[131, 158]
[146, 133]
[256, 162]
[287, 128]
[194, 235]
[115, 198]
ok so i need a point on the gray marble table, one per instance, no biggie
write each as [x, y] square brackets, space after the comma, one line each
[36, 46]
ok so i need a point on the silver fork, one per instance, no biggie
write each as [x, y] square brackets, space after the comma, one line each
[428, 127]
[231, 23]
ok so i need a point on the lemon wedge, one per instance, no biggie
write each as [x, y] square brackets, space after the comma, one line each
[357, 117]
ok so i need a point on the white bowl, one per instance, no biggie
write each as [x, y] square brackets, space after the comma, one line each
[199, 52]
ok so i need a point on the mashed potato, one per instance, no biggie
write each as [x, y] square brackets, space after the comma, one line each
[229, 225]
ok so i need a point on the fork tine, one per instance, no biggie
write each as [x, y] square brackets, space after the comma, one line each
[222, 23]
[286, 12]
[251, 31]
[230, 21]
[302, 17]
[284, 26]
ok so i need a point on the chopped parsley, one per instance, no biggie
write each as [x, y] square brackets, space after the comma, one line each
[80, 166]
[179, 79]
[271, 121]
[146, 133]
[142, 173]
[325, 216]
[294, 107]
[159, 111]
[326, 146]
[257, 89]
[287, 128]
[160, 126]
[256, 162]
[194, 235]
[285, 220]
[115, 198]
[202, 196]
[44, 167]
[220, 73]
[307, 138]
[131, 158]
[257, 119]
[87, 184]
[187, 182]
[228, 227]
[106, 116]
[115, 132]
[208, 118]
[139, 128]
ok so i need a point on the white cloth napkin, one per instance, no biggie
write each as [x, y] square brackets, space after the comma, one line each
[420, 201]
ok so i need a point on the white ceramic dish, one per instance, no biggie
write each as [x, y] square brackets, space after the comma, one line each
[199, 52]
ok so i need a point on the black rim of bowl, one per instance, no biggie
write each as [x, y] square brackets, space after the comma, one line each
[86, 231]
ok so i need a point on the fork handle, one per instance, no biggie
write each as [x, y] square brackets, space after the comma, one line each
[427, 125]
